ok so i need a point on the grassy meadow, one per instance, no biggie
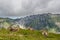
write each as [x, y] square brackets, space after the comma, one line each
[26, 35]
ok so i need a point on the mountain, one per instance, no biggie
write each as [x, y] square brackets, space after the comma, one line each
[48, 21]
[42, 21]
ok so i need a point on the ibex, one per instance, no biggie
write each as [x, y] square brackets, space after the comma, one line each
[12, 28]
[45, 33]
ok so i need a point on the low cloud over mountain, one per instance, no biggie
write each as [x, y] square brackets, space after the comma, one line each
[28, 7]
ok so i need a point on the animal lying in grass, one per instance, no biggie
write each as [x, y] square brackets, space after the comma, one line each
[45, 33]
[13, 28]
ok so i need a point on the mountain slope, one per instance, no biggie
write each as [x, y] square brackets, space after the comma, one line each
[40, 21]
[48, 21]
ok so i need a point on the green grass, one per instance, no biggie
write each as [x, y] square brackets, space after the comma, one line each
[26, 35]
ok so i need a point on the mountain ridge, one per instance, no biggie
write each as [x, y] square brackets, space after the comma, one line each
[38, 22]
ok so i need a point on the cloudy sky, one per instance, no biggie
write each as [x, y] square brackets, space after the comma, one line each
[28, 7]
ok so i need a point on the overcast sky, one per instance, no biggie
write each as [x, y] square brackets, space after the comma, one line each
[28, 7]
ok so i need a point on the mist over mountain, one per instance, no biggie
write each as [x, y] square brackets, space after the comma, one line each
[38, 22]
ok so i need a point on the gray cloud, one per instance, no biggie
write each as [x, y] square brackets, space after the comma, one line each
[28, 7]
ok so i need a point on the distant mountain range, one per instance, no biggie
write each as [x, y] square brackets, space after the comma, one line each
[40, 21]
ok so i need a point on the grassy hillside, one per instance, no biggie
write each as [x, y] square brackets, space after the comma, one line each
[26, 35]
